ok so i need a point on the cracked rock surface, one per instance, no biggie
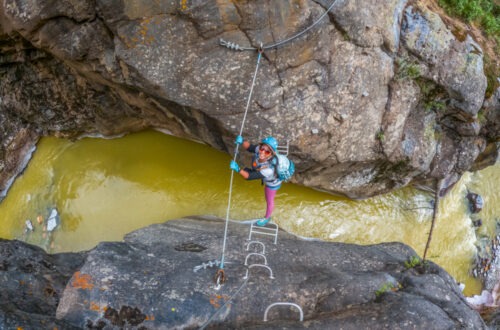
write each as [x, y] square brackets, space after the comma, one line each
[376, 96]
[148, 282]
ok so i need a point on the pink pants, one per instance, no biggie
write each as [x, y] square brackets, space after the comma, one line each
[270, 194]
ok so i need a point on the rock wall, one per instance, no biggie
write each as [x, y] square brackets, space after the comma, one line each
[376, 96]
[149, 282]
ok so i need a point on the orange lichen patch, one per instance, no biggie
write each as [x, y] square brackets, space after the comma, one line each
[216, 300]
[150, 317]
[184, 5]
[82, 281]
[19, 328]
[94, 307]
[141, 34]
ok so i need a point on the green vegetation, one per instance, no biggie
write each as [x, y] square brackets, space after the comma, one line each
[486, 13]
[345, 36]
[434, 96]
[491, 72]
[407, 69]
[414, 261]
[436, 105]
[380, 135]
[481, 117]
[427, 87]
[389, 286]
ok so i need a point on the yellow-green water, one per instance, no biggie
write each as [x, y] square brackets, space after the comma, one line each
[104, 189]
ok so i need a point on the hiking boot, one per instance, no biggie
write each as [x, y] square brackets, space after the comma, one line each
[262, 222]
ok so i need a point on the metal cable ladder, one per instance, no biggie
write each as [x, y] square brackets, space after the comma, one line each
[257, 242]
[270, 229]
[280, 149]
[283, 150]
[255, 254]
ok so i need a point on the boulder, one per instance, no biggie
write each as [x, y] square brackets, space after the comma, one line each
[368, 99]
[456, 65]
[32, 283]
[162, 277]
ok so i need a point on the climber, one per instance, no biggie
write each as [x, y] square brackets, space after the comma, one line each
[264, 168]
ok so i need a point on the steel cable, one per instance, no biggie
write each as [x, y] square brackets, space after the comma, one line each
[234, 158]
[234, 46]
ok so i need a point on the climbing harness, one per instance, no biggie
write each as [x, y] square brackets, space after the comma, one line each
[220, 277]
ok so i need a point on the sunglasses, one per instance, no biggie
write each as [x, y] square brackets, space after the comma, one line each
[265, 151]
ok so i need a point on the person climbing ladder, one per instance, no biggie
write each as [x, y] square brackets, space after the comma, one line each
[264, 168]
[273, 177]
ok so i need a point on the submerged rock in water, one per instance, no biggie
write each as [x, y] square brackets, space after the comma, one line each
[488, 262]
[486, 299]
[29, 226]
[488, 304]
[475, 202]
[477, 223]
[145, 282]
[52, 220]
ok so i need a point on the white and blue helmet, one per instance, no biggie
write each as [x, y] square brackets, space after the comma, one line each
[271, 142]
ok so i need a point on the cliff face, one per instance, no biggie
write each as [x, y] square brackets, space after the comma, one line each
[376, 96]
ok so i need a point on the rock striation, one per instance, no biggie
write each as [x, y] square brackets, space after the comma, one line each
[160, 277]
[376, 96]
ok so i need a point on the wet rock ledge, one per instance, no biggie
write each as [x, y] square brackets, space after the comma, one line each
[148, 282]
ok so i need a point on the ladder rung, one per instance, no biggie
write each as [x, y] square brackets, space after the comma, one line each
[257, 242]
[262, 231]
[255, 254]
[284, 304]
[260, 265]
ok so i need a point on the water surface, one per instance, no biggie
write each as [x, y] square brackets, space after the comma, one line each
[104, 189]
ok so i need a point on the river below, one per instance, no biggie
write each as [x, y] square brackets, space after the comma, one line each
[105, 188]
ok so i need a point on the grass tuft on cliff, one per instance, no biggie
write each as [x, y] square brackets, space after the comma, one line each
[485, 14]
